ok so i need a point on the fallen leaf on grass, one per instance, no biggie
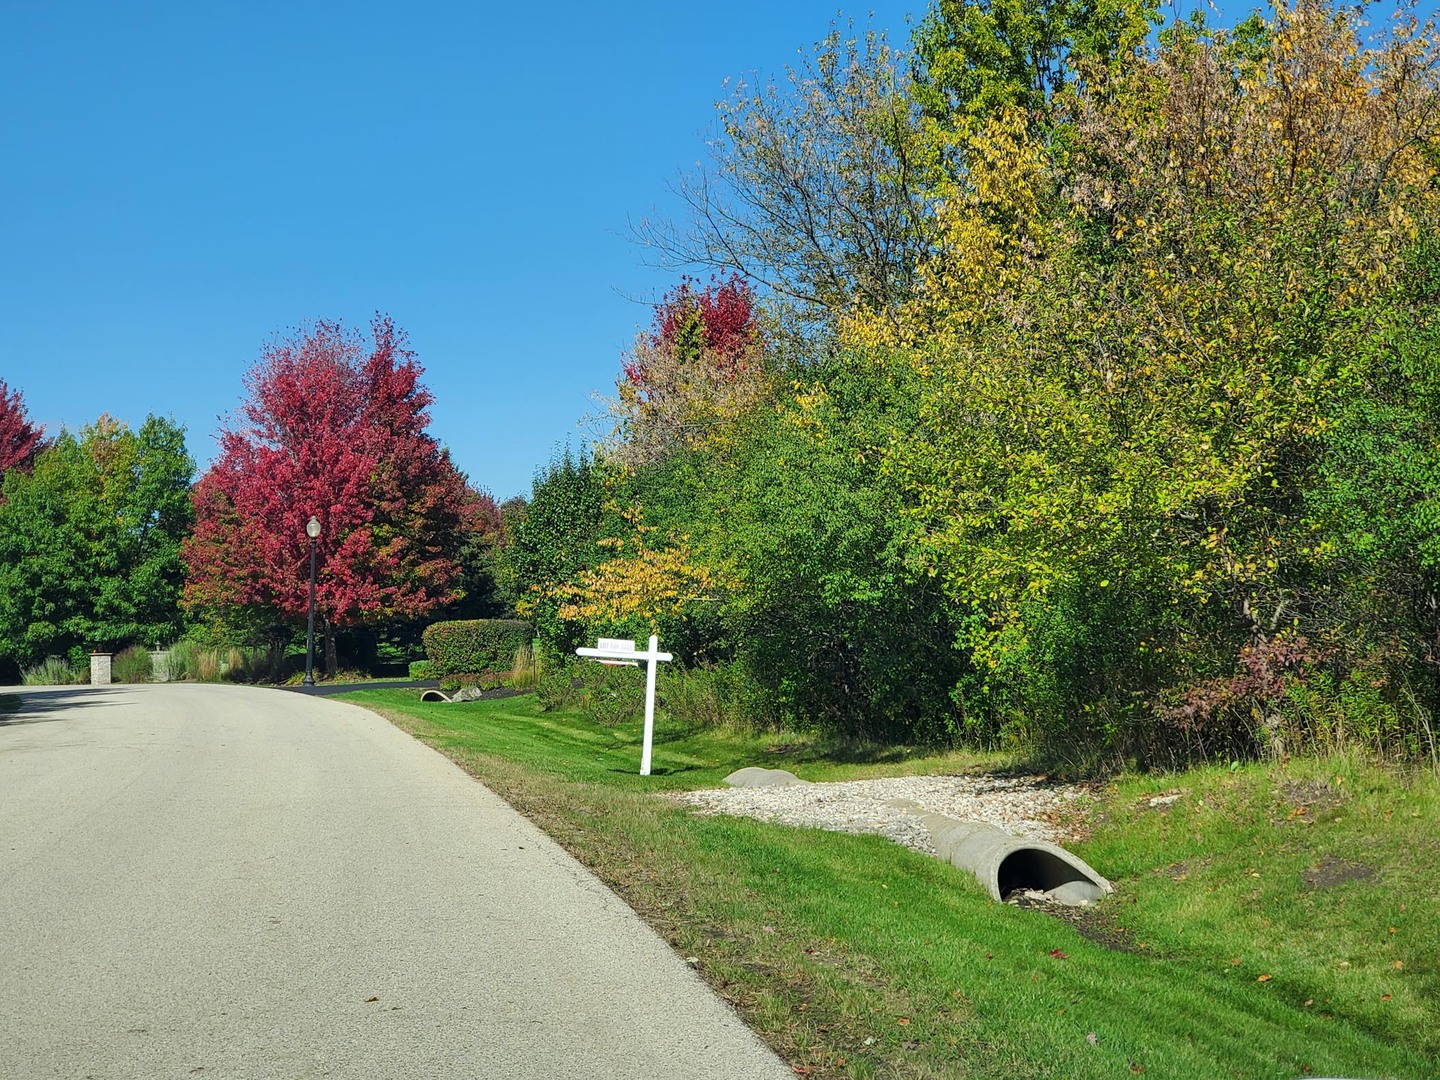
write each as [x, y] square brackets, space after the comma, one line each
[1092, 1038]
[1136, 1068]
[1058, 955]
[1399, 964]
[1234, 961]
[903, 1021]
[1263, 978]
[801, 1070]
[1384, 997]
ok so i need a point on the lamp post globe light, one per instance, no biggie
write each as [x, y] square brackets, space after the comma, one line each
[312, 530]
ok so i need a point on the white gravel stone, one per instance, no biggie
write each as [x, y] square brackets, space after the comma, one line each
[1012, 803]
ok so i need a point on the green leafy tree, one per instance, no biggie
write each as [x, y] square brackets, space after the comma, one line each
[974, 59]
[552, 541]
[813, 190]
[1376, 499]
[90, 541]
[827, 612]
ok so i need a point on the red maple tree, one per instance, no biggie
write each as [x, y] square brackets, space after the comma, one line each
[20, 440]
[713, 323]
[334, 427]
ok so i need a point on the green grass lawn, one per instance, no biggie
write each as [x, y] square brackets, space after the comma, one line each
[1270, 922]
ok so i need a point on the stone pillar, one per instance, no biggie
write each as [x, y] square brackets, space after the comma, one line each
[100, 668]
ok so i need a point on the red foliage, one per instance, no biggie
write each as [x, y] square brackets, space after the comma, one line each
[715, 322]
[1267, 669]
[483, 515]
[20, 440]
[336, 431]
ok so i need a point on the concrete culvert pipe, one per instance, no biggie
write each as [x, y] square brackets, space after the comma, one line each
[1005, 863]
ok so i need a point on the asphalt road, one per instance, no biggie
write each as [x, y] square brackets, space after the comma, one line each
[225, 882]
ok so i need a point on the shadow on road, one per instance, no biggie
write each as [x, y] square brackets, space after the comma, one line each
[41, 705]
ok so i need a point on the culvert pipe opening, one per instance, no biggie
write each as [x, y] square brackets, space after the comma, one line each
[1035, 869]
[1005, 863]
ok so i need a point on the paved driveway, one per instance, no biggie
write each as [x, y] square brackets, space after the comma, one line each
[215, 881]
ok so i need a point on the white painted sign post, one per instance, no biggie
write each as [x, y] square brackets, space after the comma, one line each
[621, 652]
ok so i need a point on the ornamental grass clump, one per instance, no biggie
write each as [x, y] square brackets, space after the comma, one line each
[525, 670]
[133, 665]
[246, 664]
[52, 671]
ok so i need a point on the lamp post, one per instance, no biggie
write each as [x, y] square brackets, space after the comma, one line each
[312, 530]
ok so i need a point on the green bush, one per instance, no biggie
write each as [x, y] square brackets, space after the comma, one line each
[421, 669]
[607, 694]
[475, 644]
[560, 681]
[613, 695]
[721, 696]
[132, 665]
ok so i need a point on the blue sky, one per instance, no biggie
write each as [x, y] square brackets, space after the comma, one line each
[183, 181]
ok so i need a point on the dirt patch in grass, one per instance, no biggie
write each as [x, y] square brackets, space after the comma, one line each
[1329, 872]
[1310, 799]
[1090, 921]
[1181, 871]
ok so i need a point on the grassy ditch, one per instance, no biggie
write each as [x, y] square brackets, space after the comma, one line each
[1268, 922]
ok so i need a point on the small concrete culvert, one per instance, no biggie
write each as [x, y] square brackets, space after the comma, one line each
[465, 693]
[1005, 863]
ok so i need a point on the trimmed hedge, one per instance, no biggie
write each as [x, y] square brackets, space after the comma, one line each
[421, 669]
[475, 645]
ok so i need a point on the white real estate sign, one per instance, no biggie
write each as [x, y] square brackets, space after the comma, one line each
[618, 651]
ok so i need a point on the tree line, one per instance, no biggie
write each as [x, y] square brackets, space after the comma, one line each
[1064, 378]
